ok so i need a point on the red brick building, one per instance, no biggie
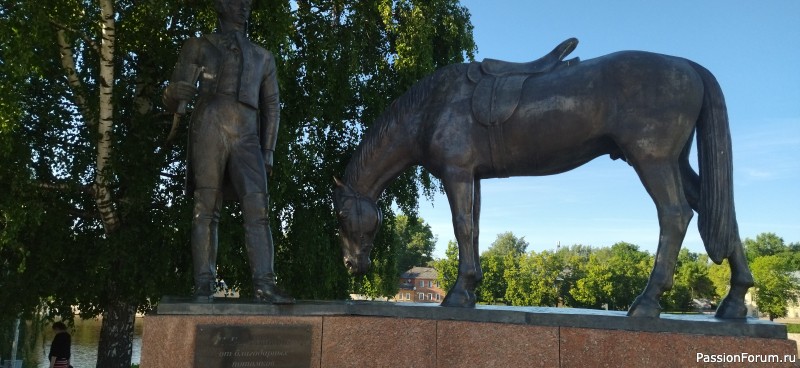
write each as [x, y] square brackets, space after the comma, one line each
[419, 285]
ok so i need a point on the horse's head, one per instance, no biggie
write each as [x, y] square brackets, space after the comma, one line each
[359, 219]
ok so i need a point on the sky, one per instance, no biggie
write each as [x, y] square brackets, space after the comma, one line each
[752, 47]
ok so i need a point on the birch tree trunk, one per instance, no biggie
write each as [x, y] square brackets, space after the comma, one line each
[116, 333]
[115, 348]
[101, 191]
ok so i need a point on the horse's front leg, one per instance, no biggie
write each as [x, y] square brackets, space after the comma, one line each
[476, 215]
[464, 202]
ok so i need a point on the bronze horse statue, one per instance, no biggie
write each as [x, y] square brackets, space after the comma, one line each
[493, 119]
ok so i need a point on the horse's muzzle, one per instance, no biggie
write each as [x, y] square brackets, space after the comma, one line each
[357, 265]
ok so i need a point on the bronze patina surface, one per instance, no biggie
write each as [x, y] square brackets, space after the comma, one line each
[491, 119]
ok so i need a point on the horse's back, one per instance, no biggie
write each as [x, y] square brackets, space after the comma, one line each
[626, 79]
[605, 105]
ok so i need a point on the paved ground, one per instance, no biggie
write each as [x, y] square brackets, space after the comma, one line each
[792, 336]
[796, 338]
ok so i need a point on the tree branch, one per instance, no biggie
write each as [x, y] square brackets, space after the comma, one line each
[68, 63]
[92, 44]
[64, 187]
[171, 176]
[52, 186]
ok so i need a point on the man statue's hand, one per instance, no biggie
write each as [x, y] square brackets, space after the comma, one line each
[268, 161]
[181, 91]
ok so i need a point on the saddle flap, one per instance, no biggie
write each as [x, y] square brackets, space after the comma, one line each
[496, 98]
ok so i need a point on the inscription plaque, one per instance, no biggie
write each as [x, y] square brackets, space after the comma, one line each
[241, 346]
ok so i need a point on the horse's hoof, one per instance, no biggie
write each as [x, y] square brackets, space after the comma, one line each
[643, 307]
[731, 308]
[459, 299]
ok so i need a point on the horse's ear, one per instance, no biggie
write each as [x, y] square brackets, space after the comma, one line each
[338, 182]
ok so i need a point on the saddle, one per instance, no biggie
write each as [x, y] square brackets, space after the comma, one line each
[544, 64]
[500, 82]
[499, 86]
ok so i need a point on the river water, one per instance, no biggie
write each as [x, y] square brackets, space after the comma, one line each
[85, 337]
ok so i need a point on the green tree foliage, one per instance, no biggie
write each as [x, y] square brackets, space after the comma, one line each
[505, 250]
[794, 255]
[765, 244]
[586, 277]
[692, 281]
[773, 263]
[505, 244]
[340, 64]
[416, 242]
[614, 277]
[447, 267]
[493, 287]
[768, 244]
[535, 279]
[574, 258]
[61, 253]
[720, 275]
[775, 286]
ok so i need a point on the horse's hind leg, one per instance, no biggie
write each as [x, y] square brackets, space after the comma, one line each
[662, 179]
[732, 306]
[741, 279]
[689, 178]
[461, 193]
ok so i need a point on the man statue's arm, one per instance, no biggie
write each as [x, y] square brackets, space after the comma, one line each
[270, 111]
[181, 88]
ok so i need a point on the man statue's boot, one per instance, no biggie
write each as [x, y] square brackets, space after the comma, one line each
[205, 220]
[260, 250]
[267, 291]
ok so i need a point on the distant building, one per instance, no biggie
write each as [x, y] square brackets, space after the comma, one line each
[419, 285]
[793, 310]
[369, 298]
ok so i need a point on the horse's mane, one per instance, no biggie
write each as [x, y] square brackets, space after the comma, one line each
[397, 112]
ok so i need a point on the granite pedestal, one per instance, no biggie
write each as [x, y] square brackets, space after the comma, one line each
[380, 334]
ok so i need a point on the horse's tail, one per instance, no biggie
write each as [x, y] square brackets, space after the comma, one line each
[716, 214]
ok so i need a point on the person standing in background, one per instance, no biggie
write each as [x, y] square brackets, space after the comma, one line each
[60, 349]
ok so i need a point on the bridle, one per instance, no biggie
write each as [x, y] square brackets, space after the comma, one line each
[352, 193]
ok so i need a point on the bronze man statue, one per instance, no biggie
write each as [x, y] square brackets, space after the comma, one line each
[232, 139]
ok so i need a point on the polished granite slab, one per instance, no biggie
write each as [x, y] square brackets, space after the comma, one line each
[700, 324]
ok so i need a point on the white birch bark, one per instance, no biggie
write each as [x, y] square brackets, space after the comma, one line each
[100, 187]
[68, 63]
[102, 193]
